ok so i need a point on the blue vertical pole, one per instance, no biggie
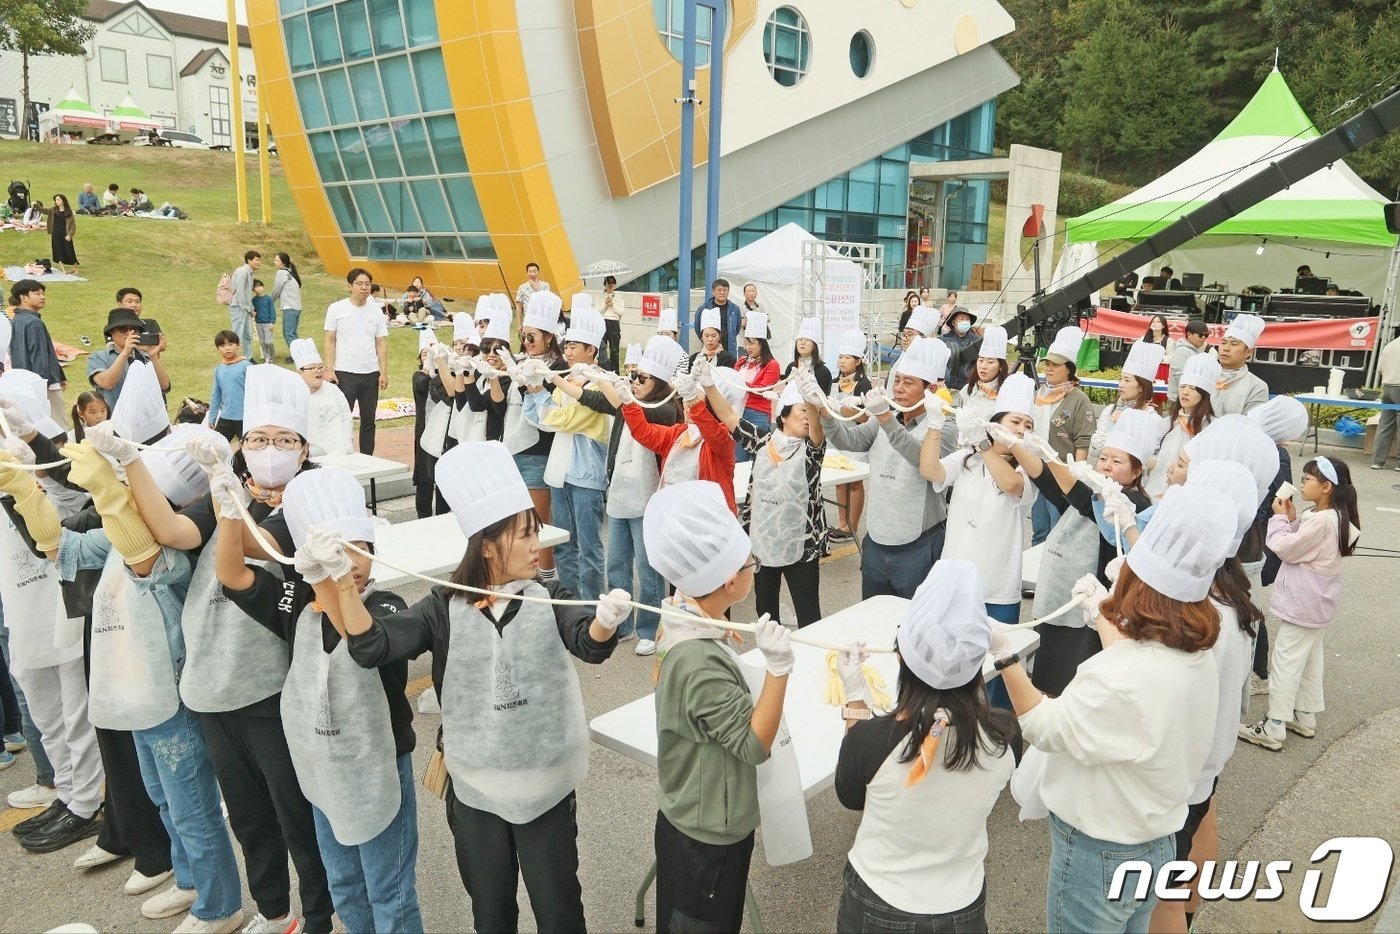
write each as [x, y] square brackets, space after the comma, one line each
[717, 33]
[683, 261]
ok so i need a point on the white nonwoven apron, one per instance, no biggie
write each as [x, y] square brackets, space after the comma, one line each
[40, 630]
[1071, 550]
[894, 512]
[336, 718]
[514, 734]
[635, 478]
[517, 434]
[561, 455]
[460, 422]
[1166, 456]
[778, 524]
[683, 460]
[133, 685]
[435, 425]
[230, 660]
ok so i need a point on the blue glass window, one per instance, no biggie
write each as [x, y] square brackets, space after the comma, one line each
[398, 86]
[380, 140]
[461, 197]
[446, 248]
[298, 44]
[413, 147]
[479, 247]
[338, 101]
[354, 29]
[432, 206]
[313, 105]
[411, 249]
[421, 21]
[353, 155]
[446, 144]
[431, 77]
[324, 150]
[371, 208]
[787, 46]
[388, 26]
[369, 98]
[343, 206]
[403, 215]
[325, 37]
[670, 26]
[381, 248]
[289, 6]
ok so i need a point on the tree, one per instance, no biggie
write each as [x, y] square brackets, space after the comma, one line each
[1234, 44]
[54, 27]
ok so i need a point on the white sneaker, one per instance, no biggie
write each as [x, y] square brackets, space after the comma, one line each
[1303, 723]
[35, 796]
[168, 904]
[1258, 685]
[287, 924]
[1265, 733]
[645, 647]
[226, 925]
[140, 884]
[94, 857]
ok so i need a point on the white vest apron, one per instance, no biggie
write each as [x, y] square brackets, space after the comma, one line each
[461, 422]
[40, 630]
[133, 684]
[514, 734]
[230, 661]
[894, 512]
[435, 425]
[1071, 551]
[1166, 456]
[778, 507]
[336, 718]
[635, 477]
[682, 462]
[517, 434]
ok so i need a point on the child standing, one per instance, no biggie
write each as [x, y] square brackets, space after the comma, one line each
[90, 409]
[1305, 596]
[265, 317]
[328, 422]
[230, 376]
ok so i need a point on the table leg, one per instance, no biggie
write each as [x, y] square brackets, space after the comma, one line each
[373, 498]
[640, 917]
[751, 906]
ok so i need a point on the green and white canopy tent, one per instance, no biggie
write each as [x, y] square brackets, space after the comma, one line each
[1331, 221]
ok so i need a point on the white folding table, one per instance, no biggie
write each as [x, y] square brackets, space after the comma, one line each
[368, 470]
[431, 546]
[832, 477]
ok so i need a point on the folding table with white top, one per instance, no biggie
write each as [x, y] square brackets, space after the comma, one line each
[368, 470]
[832, 477]
[431, 546]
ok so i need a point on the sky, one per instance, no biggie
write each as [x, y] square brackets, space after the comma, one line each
[209, 9]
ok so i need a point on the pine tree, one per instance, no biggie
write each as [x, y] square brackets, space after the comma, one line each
[53, 27]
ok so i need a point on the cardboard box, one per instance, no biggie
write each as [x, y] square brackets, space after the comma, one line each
[1372, 424]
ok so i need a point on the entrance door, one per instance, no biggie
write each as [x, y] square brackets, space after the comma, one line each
[220, 116]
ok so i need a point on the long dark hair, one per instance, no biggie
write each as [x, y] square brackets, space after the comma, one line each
[475, 569]
[816, 353]
[672, 413]
[67, 208]
[1343, 500]
[290, 266]
[1145, 390]
[1002, 371]
[976, 726]
[1231, 588]
[1165, 330]
[973, 453]
[551, 345]
[1200, 415]
[765, 353]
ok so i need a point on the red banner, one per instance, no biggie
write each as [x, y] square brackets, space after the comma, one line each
[1320, 334]
[651, 306]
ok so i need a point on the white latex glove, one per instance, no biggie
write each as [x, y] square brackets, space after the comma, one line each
[848, 665]
[876, 402]
[775, 642]
[1119, 510]
[1000, 642]
[462, 364]
[1097, 440]
[624, 391]
[613, 607]
[1114, 566]
[1085, 474]
[20, 426]
[482, 367]
[103, 437]
[703, 372]
[204, 449]
[1089, 593]
[810, 389]
[972, 428]
[1002, 435]
[227, 494]
[1038, 446]
[322, 556]
[18, 450]
[440, 352]
[688, 388]
[933, 411]
[533, 373]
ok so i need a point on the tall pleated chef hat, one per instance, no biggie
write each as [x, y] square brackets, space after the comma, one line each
[1282, 418]
[811, 329]
[1246, 328]
[481, 483]
[661, 357]
[487, 306]
[426, 339]
[924, 320]
[634, 354]
[1238, 486]
[1065, 347]
[994, 342]
[585, 326]
[1137, 432]
[140, 414]
[668, 320]
[756, 325]
[925, 358]
[464, 328]
[944, 637]
[851, 344]
[731, 385]
[304, 353]
[790, 395]
[1017, 394]
[30, 392]
[1143, 359]
[710, 318]
[691, 537]
[581, 301]
[328, 498]
[542, 311]
[177, 474]
[1184, 543]
[497, 328]
[1236, 438]
[273, 396]
[1203, 372]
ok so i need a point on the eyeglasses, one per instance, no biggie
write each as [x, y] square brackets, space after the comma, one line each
[754, 563]
[314, 368]
[281, 442]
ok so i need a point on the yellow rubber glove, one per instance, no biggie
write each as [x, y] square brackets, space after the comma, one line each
[17, 483]
[120, 520]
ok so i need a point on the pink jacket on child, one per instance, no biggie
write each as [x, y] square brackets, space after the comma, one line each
[1309, 583]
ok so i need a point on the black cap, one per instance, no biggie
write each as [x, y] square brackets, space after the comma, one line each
[1198, 327]
[123, 318]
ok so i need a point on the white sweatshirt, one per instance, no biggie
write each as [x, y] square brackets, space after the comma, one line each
[328, 422]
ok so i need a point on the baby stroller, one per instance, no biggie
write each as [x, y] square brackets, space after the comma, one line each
[18, 196]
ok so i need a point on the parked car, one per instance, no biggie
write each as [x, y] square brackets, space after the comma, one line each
[179, 139]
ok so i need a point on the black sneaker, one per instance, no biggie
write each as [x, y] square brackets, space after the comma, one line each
[39, 821]
[66, 830]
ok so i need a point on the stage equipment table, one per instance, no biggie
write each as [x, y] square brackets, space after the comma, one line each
[432, 546]
[368, 470]
[1315, 403]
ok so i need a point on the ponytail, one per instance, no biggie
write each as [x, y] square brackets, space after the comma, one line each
[77, 424]
[1343, 500]
[290, 266]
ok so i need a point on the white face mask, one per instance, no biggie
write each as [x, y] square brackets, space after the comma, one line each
[272, 467]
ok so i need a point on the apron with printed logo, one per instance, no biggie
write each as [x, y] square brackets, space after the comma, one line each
[133, 684]
[894, 511]
[683, 461]
[41, 633]
[778, 508]
[635, 477]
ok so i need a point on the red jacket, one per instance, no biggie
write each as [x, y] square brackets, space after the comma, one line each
[759, 377]
[716, 451]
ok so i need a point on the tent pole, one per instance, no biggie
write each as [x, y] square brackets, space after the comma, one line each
[1387, 316]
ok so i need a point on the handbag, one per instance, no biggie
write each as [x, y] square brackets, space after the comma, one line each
[435, 777]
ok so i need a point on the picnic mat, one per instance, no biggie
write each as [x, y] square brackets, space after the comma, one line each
[16, 273]
[390, 408]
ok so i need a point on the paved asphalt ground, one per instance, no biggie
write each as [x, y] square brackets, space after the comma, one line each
[1273, 805]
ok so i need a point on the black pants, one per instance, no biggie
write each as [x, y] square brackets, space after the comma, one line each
[14, 719]
[699, 886]
[269, 814]
[802, 581]
[428, 501]
[364, 389]
[493, 853]
[229, 428]
[863, 911]
[612, 345]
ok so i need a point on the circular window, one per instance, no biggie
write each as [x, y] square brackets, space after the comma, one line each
[862, 53]
[787, 46]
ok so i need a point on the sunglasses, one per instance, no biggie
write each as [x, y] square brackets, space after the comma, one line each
[639, 377]
[529, 338]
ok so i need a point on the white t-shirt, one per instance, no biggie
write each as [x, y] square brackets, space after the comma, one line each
[1234, 659]
[356, 328]
[985, 525]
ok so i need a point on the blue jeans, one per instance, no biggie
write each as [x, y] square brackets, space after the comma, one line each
[899, 569]
[862, 910]
[758, 420]
[626, 551]
[1043, 519]
[1081, 873]
[240, 322]
[375, 885]
[579, 511]
[291, 317]
[180, 781]
[43, 768]
[1002, 613]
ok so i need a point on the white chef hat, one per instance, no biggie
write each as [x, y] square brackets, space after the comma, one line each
[327, 498]
[710, 318]
[30, 392]
[1236, 438]
[811, 329]
[925, 358]
[586, 326]
[486, 307]
[542, 311]
[791, 395]
[274, 396]
[1202, 371]
[668, 320]
[481, 483]
[851, 344]
[140, 414]
[304, 353]
[924, 320]
[6, 333]
[1137, 432]
[464, 328]
[756, 325]
[1143, 359]
[1282, 418]
[634, 354]
[1065, 347]
[731, 385]
[497, 328]
[1016, 394]
[692, 538]
[1246, 328]
[581, 301]
[661, 357]
[945, 637]
[178, 475]
[426, 338]
[1234, 481]
[1184, 544]
[993, 342]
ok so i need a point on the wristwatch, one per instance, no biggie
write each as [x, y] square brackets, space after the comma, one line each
[1007, 661]
[856, 713]
[984, 445]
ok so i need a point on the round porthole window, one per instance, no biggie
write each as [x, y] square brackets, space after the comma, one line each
[787, 46]
[862, 53]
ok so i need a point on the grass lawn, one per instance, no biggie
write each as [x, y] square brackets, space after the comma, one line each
[175, 264]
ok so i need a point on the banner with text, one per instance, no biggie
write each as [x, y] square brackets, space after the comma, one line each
[1320, 334]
